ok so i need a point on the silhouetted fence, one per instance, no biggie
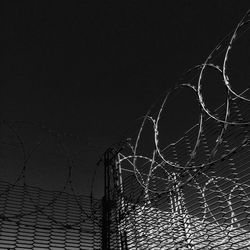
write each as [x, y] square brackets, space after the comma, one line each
[32, 218]
[191, 194]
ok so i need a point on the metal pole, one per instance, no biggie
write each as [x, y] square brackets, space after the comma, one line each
[106, 204]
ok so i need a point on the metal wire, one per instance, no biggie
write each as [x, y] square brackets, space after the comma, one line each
[192, 194]
[32, 218]
[63, 225]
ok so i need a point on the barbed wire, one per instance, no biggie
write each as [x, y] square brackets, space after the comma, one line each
[27, 155]
[231, 95]
[163, 174]
[195, 172]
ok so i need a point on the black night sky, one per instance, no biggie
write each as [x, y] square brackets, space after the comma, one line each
[92, 68]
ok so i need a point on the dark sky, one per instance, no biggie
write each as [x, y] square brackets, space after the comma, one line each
[91, 68]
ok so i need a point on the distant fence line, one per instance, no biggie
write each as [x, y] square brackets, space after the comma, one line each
[33, 218]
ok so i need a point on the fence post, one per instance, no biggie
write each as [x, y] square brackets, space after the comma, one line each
[106, 204]
[110, 202]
